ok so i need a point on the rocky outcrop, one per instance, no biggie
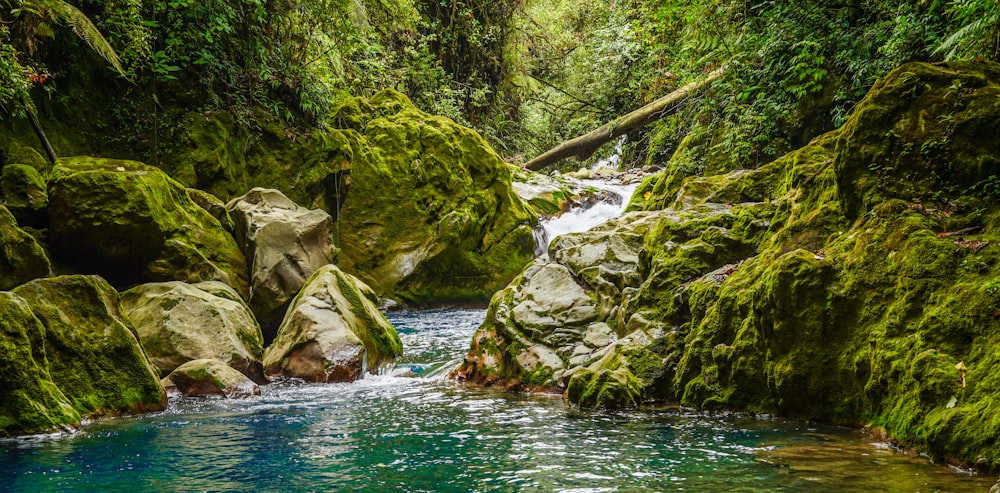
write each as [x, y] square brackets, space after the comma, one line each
[854, 280]
[67, 351]
[179, 322]
[209, 377]
[284, 244]
[333, 332]
[21, 257]
[130, 223]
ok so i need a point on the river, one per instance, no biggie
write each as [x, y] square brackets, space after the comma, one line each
[412, 430]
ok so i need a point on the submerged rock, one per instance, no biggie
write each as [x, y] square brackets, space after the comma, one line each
[21, 257]
[332, 332]
[855, 280]
[208, 377]
[69, 352]
[284, 244]
[179, 322]
[131, 224]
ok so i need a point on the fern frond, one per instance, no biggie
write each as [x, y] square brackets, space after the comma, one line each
[86, 30]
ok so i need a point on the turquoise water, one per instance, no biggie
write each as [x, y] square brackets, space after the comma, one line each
[406, 433]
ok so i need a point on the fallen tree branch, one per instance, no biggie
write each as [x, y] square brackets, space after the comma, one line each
[585, 145]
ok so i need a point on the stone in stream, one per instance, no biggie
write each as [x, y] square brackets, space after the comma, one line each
[208, 377]
[131, 223]
[332, 332]
[284, 244]
[179, 322]
[67, 351]
[24, 193]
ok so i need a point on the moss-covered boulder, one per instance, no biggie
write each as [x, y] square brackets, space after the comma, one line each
[179, 322]
[209, 377]
[284, 244]
[430, 215]
[24, 193]
[30, 402]
[21, 257]
[131, 224]
[855, 280]
[76, 355]
[333, 332]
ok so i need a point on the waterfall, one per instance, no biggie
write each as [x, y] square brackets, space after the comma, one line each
[609, 200]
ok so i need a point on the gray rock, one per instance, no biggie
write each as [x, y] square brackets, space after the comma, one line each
[206, 377]
[179, 322]
[283, 243]
[333, 332]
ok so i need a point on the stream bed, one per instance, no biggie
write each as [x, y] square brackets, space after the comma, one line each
[412, 430]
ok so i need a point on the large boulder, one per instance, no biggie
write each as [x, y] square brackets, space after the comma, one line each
[429, 215]
[284, 244]
[21, 257]
[179, 322]
[333, 332]
[30, 402]
[209, 377]
[131, 224]
[71, 353]
[855, 280]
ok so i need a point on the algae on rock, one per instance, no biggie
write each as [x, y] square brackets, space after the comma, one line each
[131, 223]
[69, 352]
[21, 257]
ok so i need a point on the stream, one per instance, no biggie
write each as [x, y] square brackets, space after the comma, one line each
[413, 430]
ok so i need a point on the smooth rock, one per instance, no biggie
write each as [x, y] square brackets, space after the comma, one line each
[284, 244]
[207, 377]
[333, 332]
[179, 322]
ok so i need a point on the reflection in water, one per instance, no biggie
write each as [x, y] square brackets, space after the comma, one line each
[394, 433]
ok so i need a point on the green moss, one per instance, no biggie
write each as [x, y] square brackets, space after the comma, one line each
[131, 223]
[21, 257]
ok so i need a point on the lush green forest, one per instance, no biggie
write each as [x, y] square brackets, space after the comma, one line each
[526, 74]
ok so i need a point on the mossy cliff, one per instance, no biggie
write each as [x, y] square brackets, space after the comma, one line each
[855, 280]
[423, 207]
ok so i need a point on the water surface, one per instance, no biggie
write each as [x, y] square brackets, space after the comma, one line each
[400, 433]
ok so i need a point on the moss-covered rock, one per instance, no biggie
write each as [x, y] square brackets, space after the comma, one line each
[179, 322]
[284, 244]
[333, 332]
[24, 193]
[21, 257]
[209, 377]
[88, 347]
[855, 280]
[424, 208]
[30, 402]
[131, 224]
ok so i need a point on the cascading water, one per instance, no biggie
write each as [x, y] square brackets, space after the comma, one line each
[608, 200]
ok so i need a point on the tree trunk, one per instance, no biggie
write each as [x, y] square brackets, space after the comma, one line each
[37, 127]
[585, 145]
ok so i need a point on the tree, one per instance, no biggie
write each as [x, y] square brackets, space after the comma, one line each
[36, 18]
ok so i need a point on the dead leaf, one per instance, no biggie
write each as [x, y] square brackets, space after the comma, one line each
[974, 245]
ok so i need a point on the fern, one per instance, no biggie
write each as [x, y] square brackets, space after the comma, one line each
[60, 11]
[979, 34]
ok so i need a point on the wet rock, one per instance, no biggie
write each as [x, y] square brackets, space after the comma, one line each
[208, 377]
[333, 332]
[179, 322]
[131, 224]
[284, 244]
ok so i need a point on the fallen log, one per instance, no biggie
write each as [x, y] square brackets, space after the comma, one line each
[584, 146]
